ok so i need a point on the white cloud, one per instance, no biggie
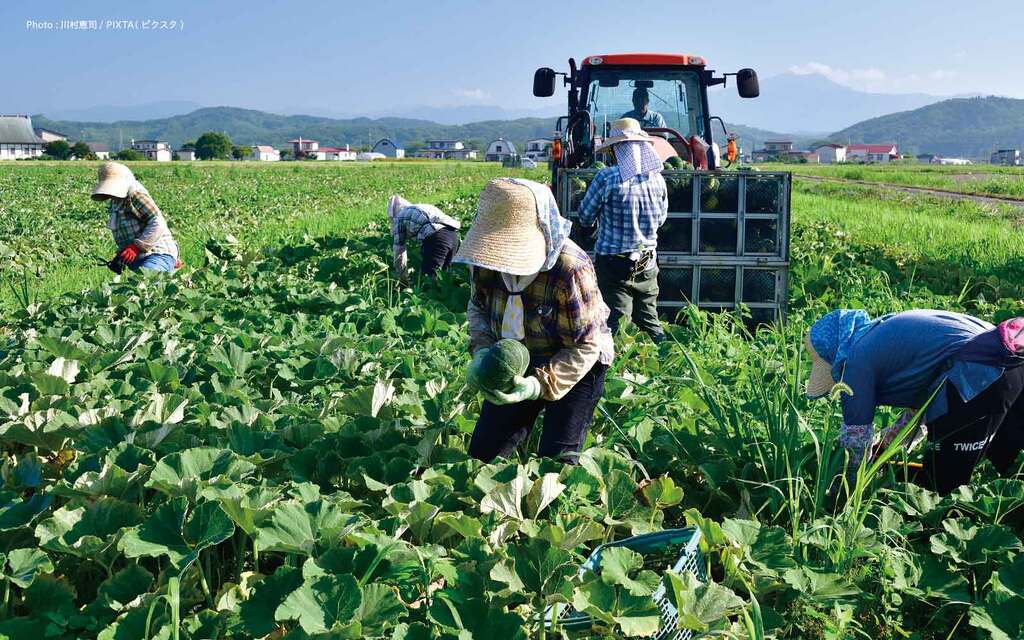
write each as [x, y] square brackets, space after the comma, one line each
[878, 80]
[475, 95]
[854, 78]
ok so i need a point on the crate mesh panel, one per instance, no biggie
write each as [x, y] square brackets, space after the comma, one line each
[758, 285]
[717, 285]
[676, 235]
[719, 195]
[680, 193]
[675, 284]
[762, 315]
[718, 236]
[764, 195]
[761, 236]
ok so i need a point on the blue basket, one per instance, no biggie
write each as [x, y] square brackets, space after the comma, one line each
[684, 544]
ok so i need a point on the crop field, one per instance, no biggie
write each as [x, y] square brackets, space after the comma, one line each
[271, 443]
[980, 179]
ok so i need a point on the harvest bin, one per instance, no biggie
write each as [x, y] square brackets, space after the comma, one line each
[677, 550]
[725, 243]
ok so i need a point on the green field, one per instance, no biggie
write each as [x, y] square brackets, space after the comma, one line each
[979, 179]
[271, 443]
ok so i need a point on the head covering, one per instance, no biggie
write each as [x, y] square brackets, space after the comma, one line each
[829, 342]
[623, 130]
[113, 179]
[396, 204]
[634, 151]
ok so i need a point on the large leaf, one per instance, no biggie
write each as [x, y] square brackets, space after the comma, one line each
[295, 527]
[87, 531]
[507, 498]
[325, 603]
[23, 565]
[178, 533]
[1002, 617]
[381, 609]
[702, 606]
[248, 506]
[824, 587]
[622, 566]
[257, 612]
[186, 472]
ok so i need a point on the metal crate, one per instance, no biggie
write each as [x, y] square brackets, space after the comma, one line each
[684, 544]
[725, 243]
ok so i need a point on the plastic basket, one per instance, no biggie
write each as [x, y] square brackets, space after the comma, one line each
[683, 544]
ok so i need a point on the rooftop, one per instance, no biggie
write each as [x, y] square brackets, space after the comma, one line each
[18, 130]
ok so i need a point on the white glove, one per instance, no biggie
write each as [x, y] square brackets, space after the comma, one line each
[524, 390]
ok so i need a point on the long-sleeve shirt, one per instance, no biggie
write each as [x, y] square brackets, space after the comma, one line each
[418, 221]
[565, 319]
[628, 214]
[137, 219]
[648, 120]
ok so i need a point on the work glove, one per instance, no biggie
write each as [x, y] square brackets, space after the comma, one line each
[523, 390]
[401, 267]
[130, 253]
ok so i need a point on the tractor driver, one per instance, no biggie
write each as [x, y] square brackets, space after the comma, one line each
[648, 119]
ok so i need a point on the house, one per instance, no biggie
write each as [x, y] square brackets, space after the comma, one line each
[1007, 157]
[872, 153]
[538, 149]
[367, 156]
[153, 150]
[49, 135]
[264, 153]
[388, 148]
[18, 140]
[773, 150]
[447, 150]
[335, 153]
[952, 161]
[830, 153]
[302, 148]
[500, 150]
[186, 154]
[100, 150]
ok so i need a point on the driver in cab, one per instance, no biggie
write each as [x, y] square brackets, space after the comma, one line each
[648, 119]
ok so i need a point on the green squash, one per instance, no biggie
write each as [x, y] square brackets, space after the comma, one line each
[499, 365]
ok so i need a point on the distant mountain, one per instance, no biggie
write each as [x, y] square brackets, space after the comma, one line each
[810, 103]
[113, 113]
[461, 114]
[962, 127]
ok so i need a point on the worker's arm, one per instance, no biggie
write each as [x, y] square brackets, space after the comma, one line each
[478, 314]
[146, 210]
[593, 201]
[400, 262]
[858, 431]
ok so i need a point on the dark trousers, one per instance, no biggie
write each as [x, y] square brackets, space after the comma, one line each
[991, 425]
[500, 428]
[438, 250]
[629, 293]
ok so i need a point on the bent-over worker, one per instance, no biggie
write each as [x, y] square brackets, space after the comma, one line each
[531, 283]
[139, 229]
[629, 203]
[901, 359]
[438, 234]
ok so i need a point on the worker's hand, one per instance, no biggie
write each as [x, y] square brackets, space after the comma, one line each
[524, 390]
[130, 253]
[401, 267]
[116, 265]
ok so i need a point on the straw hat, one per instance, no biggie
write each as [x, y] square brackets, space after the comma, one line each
[505, 235]
[820, 381]
[113, 180]
[625, 130]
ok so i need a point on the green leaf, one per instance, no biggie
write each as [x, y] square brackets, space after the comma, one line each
[87, 531]
[257, 612]
[119, 590]
[325, 603]
[619, 564]
[186, 472]
[295, 527]
[1002, 618]
[507, 498]
[701, 606]
[662, 492]
[167, 532]
[544, 491]
[248, 506]
[380, 609]
[24, 564]
[1011, 576]
[824, 587]
[66, 370]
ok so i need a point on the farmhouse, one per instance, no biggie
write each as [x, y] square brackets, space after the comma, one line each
[153, 150]
[388, 148]
[367, 156]
[500, 150]
[49, 135]
[447, 150]
[872, 153]
[335, 153]
[538, 149]
[773, 150]
[100, 150]
[18, 140]
[302, 148]
[186, 154]
[830, 153]
[264, 153]
[1007, 157]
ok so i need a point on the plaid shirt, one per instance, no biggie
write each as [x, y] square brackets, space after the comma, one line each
[137, 219]
[563, 307]
[628, 213]
[418, 221]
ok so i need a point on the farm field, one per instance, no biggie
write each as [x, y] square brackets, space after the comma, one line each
[979, 179]
[271, 443]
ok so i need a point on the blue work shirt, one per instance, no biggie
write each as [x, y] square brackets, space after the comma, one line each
[901, 361]
[628, 214]
[649, 120]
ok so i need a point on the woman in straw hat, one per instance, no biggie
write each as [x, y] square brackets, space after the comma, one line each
[438, 234]
[963, 371]
[136, 223]
[629, 203]
[531, 283]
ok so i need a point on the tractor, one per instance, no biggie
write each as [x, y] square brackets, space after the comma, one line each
[726, 243]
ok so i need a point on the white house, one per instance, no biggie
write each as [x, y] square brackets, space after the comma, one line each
[302, 147]
[49, 135]
[872, 153]
[367, 156]
[447, 150]
[389, 148]
[100, 150]
[264, 153]
[186, 154]
[830, 153]
[18, 140]
[538, 149]
[500, 150]
[153, 150]
[336, 153]
[952, 161]
[1007, 157]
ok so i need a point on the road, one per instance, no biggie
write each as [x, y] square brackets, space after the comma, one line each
[939, 193]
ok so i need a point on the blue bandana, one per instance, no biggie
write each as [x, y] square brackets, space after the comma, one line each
[834, 335]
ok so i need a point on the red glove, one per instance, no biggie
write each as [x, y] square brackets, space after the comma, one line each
[129, 254]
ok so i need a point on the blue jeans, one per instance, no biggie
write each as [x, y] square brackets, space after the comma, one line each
[154, 262]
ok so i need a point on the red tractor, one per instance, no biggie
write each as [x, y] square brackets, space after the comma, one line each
[726, 242]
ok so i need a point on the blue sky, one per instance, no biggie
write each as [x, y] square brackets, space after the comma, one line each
[370, 56]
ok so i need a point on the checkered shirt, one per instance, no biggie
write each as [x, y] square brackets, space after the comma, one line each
[418, 221]
[563, 305]
[628, 214]
[137, 219]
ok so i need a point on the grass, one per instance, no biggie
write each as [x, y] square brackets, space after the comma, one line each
[972, 179]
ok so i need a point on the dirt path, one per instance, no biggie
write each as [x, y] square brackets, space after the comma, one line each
[940, 193]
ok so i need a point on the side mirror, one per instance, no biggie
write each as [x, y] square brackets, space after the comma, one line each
[746, 83]
[544, 82]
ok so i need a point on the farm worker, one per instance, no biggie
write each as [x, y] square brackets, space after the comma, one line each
[531, 283]
[629, 202]
[437, 233]
[648, 119]
[136, 223]
[901, 359]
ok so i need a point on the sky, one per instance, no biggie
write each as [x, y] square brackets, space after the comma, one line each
[372, 57]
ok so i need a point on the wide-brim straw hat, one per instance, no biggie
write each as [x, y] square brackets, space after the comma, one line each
[113, 179]
[625, 130]
[505, 235]
[820, 382]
